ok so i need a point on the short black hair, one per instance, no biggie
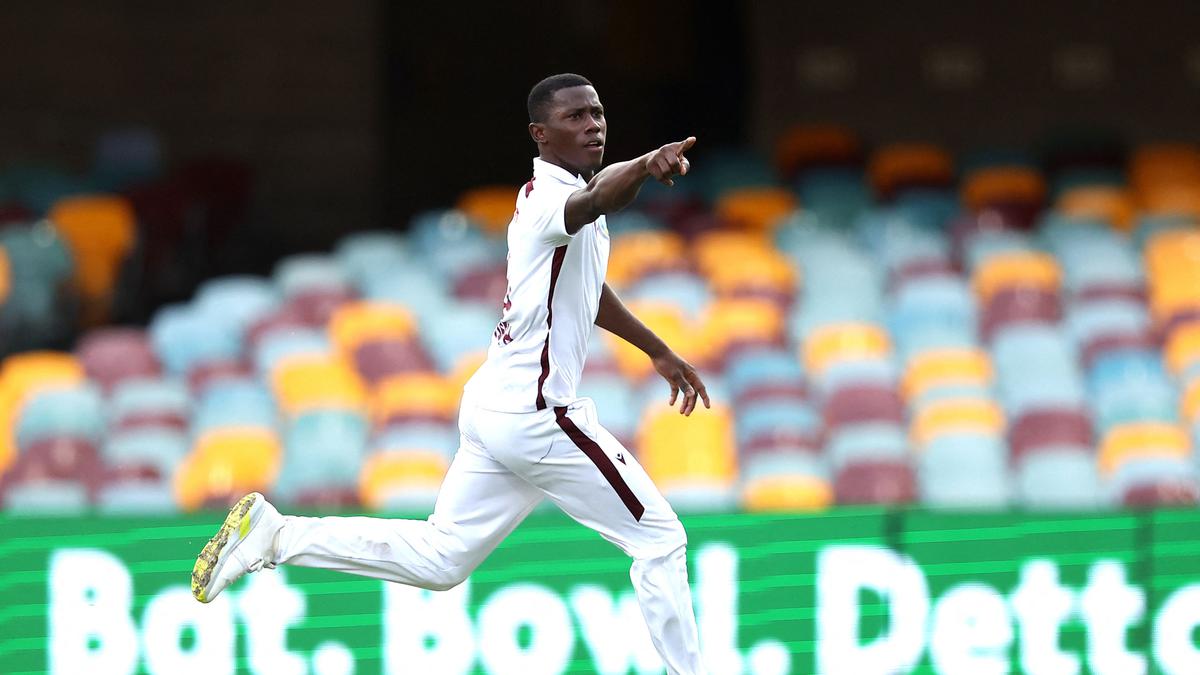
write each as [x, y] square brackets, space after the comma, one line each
[543, 92]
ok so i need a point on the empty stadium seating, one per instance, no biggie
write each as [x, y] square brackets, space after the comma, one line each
[884, 327]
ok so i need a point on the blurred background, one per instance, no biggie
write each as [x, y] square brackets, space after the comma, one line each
[930, 256]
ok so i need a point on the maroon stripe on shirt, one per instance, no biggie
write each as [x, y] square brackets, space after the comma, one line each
[607, 469]
[555, 267]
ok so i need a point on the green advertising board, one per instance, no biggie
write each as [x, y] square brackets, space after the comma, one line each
[853, 591]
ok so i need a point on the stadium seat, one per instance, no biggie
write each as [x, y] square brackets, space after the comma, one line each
[184, 338]
[75, 411]
[377, 360]
[638, 254]
[322, 449]
[939, 368]
[689, 452]
[277, 347]
[904, 165]
[843, 342]
[805, 147]
[755, 209]
[490, 207]
[236, 302]
[787, 494]
[305, 384]
[111, 355]
[956, 417]
[101, 231]
[875, 482]
[162, 450]
[358, 322]
[1114, 205]
[1038, 430]
[1141, 440]
[367, 255]
[964, 468]
[414, 397]
[401, 481]
[1058, 477]
[228, 462]
[308, 272]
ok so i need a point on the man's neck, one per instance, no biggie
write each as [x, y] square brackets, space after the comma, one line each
[549, 159]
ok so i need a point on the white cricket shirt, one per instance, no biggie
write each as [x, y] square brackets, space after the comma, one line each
[554, 283]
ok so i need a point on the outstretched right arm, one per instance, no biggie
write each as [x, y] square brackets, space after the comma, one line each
[613, 188]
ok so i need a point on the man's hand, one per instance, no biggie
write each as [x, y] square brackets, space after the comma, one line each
[668, 161]
[682, 377]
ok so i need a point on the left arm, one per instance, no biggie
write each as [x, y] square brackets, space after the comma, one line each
[614, 317]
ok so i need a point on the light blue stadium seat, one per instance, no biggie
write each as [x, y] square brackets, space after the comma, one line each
[762, 367]
[1126, 368]
[160, 448]
[46, 498]
[1089, 320]
[462, 328]
[367, 255]
[684, 290]
[422, 436]
[918, 336]
[143, 395]
[930, 208]
[929, 302]
[1135, 401]
[1142, 471]
[783, 463]
[797, 418]
[305, 272]
[415, 286]
[235, 302]
[184, 338]
[964, 471]
[234, 402]
[137, 498]
[616, 401]
[322, 449]
[1059, 477]
[1036, 368]
[77, 412]
[276, 346]
[875, 441]
[631, 220]
[451, 244]
[950, 392]
[894, 240]
[835, 196]
[881, 372]
[989, 243]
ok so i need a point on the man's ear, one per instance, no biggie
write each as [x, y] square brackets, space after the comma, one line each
[537, 131]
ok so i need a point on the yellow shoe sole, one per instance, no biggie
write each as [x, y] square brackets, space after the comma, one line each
[206, 563]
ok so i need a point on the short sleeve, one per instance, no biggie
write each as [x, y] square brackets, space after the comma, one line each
[542, 211]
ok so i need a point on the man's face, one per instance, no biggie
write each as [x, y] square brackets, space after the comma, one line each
[575, 128]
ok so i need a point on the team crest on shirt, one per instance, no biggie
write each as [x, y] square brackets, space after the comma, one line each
[501, 334]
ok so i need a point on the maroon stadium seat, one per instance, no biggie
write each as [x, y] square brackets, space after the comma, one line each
[1018, 305]
[285, 318]
[1044, 428]
[1162, 493]
[111, 355]
[376, 360]
[206, 373]
[58, 458]
[856, 404]
[877, 482]
[1109, 343]
[1110, 291]
[316, 306]
[772, 391]
[780, 441]
[486, 284]
[922, 268]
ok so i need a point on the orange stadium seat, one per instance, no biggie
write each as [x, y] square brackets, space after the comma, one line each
[304, 384]
[1141, 440]
[1183, 348]
[388, 474]
[688, 452]
[8, 419]
[842, 342]
[945, 367]
[900, 164]
[669, 322]
[1111, 204]
[491, 206]
[1016, 270]
[1189, 403]
[29, 372]
[5, 277]
[415, 396]
[227, 463]
[712, 249]
[815, 144]
[954, 416]
[1159, 163]
[727, 323]
[100, 230]
[635, 254]
[787, 493]
[354, 323]
[758, 209]
[1002, 185]
[464, 368]
[1173, 199]
[1173, 268]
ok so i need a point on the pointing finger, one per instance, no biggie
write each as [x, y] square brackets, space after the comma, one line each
[686, 145]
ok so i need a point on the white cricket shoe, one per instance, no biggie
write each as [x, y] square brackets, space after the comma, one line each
[245, 543]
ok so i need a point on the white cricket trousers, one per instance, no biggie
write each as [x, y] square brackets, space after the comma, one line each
[505, 465]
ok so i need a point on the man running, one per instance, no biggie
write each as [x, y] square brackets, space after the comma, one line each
[525, 434]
